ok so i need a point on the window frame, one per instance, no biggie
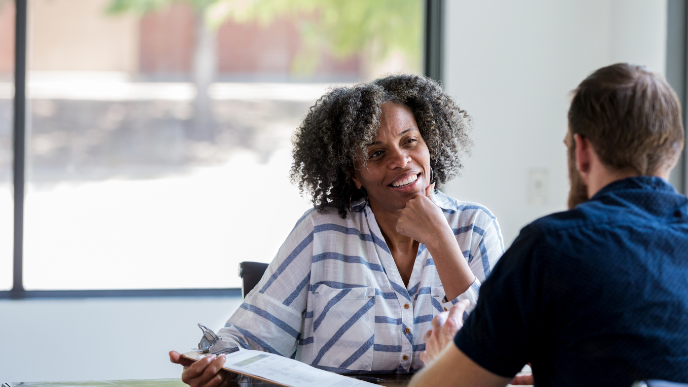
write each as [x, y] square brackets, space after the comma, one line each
[677, 76]
[432, 67]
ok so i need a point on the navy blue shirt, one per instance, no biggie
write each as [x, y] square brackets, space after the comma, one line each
[595, 296]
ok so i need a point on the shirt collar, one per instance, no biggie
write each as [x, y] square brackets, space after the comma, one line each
[443, 201]
[639, 182]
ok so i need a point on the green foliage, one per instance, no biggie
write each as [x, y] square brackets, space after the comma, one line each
[373, 28]
[142, 7]
[377, 28]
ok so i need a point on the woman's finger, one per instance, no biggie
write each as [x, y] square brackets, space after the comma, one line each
[176, 358]
[214, 367]
[429, 190]
[198, 368]
[209, 372]
[217, 380]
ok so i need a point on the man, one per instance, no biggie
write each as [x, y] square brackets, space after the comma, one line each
[597, 295]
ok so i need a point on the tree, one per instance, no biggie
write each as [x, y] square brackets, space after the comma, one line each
[376, 28]
[203, 65]
[345, 27]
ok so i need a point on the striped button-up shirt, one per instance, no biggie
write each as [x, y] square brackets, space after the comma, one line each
[333, 296]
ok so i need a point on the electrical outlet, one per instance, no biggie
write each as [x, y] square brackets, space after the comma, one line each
[537, 187]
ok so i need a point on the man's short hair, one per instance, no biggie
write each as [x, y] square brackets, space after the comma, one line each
[631, 116]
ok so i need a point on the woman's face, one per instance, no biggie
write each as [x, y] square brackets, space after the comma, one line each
[398, 161]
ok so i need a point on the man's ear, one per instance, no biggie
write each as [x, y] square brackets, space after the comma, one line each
[583, 156]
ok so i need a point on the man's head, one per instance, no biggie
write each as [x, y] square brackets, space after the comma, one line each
[632, 120]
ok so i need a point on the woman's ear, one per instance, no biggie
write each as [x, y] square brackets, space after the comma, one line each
[356, 181]
[354, 178]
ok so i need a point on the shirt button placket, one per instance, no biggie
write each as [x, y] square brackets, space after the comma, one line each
[407, 312]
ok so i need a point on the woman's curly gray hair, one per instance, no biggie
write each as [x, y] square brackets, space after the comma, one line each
[336, 131]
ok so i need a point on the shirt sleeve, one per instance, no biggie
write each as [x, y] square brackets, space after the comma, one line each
[499, 334]
[271, 315]
[481, 259]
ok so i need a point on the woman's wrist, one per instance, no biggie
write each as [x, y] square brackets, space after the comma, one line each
[441, 239]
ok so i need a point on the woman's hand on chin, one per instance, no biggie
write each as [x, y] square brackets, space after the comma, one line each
[422, 219]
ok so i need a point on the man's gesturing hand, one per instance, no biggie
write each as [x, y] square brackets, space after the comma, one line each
[444, 328]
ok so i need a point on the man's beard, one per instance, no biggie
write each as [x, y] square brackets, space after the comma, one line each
[578, 193]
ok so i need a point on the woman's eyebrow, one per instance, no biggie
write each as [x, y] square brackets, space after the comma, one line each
[400, 134]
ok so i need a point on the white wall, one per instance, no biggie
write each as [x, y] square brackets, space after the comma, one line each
[102, 339]
[511, 65]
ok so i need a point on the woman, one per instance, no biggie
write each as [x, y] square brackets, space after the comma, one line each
[356, 284]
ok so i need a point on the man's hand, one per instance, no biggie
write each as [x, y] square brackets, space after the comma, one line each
[444, 328]
[522, 380]
[206, 372]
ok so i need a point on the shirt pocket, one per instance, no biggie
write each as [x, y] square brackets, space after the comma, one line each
[344, 327]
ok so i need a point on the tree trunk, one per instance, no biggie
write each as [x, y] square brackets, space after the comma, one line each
[204, 68]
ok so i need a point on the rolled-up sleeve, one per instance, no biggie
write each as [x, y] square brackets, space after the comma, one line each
[271, 315]
[482, 258]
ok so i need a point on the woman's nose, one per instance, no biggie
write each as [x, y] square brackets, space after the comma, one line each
[399, 158]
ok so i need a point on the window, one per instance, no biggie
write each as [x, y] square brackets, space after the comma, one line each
[6, 106]
[158, 134]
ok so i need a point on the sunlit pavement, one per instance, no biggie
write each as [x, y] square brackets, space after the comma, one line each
[189, 230]
[185, 229]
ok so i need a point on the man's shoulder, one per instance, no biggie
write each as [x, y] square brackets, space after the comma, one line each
[560, 221]
[588, 215]
[549, 233]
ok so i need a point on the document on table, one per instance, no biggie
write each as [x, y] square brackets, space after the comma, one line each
[281, 370]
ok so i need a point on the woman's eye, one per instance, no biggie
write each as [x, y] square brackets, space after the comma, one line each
[375, 154]
[411, 140]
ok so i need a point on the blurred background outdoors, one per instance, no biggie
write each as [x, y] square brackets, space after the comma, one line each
[158, 132]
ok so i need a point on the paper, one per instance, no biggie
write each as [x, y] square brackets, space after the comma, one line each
[282, 370]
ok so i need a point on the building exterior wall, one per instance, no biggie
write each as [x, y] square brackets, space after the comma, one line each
[76, 35]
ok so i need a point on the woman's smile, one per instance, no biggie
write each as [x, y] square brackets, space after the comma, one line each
[405, 181]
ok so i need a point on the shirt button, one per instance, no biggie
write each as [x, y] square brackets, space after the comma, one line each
[406, 306]
[445, 308]
[404, 358]
[407, 331]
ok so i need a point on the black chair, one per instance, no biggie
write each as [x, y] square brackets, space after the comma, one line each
[250, 273]
[658, 383]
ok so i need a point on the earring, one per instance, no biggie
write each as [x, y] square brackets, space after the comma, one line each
[432, 176]
[359, 204]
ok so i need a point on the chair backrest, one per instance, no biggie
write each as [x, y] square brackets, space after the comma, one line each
[658, 383]
[250, 273]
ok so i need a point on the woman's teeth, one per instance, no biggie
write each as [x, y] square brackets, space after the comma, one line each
[410, 179]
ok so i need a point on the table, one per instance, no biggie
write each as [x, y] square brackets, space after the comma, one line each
[390, 381]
